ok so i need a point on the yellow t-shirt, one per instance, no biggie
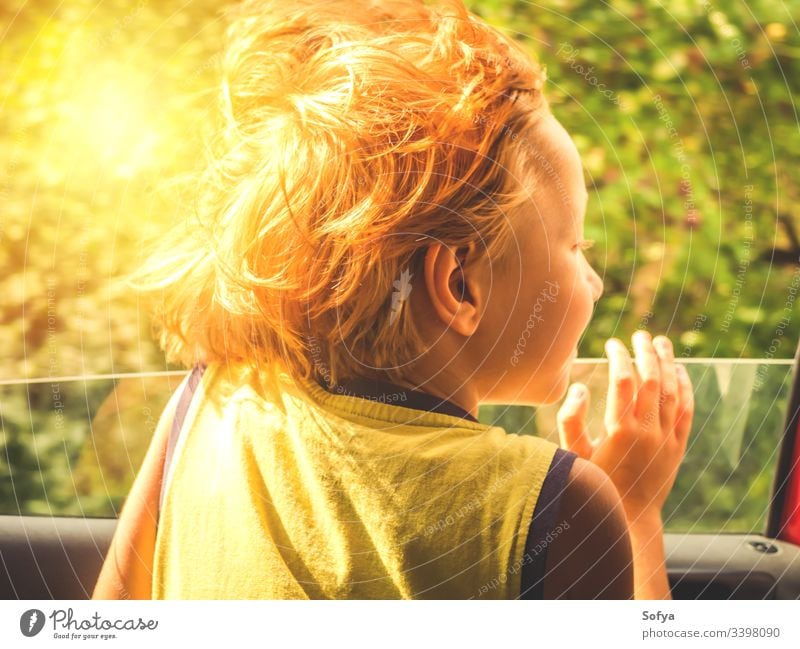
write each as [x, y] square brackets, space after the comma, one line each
[340, 497]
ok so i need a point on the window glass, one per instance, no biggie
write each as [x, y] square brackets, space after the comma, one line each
[725, 481]
[73, 447]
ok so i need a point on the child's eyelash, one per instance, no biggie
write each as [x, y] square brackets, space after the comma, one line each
[586, 244]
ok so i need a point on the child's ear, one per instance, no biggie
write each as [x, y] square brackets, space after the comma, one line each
[455, 286]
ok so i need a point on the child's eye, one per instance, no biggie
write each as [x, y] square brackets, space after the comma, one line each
[586, 244]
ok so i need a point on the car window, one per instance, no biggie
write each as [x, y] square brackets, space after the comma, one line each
[72, 447]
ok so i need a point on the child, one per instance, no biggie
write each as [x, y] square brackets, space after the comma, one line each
[391, 234]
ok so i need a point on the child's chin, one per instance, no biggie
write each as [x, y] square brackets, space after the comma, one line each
[558, 390]
[562, 387]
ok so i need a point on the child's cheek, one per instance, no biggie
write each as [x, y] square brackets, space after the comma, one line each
[535, 322]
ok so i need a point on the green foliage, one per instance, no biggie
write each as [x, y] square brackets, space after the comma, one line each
[692, 209]
[74, 447]
[686, 149]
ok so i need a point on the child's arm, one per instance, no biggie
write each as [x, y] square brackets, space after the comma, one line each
[592, 558]
[648, 419]
[650, 569]
[603, 555]
[128, 567]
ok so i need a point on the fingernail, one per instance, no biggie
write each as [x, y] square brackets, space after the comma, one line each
[577, 391]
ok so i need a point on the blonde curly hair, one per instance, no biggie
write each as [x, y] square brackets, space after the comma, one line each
[353, 134]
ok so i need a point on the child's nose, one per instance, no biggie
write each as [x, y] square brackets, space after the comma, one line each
[597, 284]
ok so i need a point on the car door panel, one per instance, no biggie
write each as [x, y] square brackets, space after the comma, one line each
[45, 557]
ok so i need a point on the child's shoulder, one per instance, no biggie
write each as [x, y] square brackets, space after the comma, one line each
[592, 557]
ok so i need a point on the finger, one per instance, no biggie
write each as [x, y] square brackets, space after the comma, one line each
[571, 421]
[683, 423]
[649, 379]
[620, 400]
[668, 399]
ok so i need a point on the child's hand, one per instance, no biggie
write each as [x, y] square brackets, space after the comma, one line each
[648, 419]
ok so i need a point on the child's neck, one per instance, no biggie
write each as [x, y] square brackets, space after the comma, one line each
[445, 380]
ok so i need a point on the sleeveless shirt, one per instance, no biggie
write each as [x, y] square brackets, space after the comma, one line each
[372, 492]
